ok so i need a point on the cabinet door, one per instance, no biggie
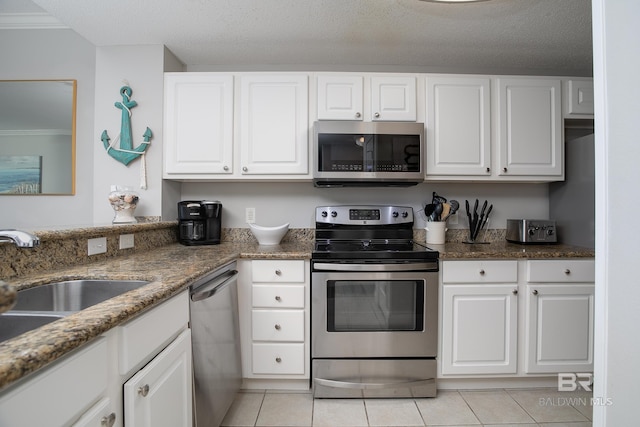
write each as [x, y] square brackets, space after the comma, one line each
[159, 395]
[559, 331]
[198, 120]
[393, 98]
[274, 125]
[530, 127]
[340, 97]
[458, 126]
[100, 415]
[479, 329]
[578, 98]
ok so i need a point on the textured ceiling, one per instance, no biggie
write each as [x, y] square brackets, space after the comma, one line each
[514, 36]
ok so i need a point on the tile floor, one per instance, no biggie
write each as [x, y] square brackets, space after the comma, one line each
[504, 407]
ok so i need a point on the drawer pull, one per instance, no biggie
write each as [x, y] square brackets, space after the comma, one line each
[278, 298]
[278, 273]
[108, 420]
[278, 327]
[144, 390]
[535, 292]
[567, 271]
[515, 292]
[482, 272]
[278, 359]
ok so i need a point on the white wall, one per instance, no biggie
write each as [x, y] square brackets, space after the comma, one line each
[277, 203]
[53, 54]
[617, 100]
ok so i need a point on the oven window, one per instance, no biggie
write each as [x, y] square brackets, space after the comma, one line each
[375, 306]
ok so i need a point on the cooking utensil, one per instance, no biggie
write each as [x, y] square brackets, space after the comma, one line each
[480, 221]
[446, 209]
[437, 213]
[428, 210]
[438, 199]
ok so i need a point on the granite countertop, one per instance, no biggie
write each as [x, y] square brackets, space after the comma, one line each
[170, 269]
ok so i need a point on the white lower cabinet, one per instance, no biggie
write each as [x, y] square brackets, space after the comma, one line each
[274, 320]
[104, 383]
[516, 318]
[160, 393]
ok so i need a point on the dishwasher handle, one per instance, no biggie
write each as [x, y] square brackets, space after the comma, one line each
[214, 286]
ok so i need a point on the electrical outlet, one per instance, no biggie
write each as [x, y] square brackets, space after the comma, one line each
[126, 241]
[97, 246]
[453, 219]
[250, 215]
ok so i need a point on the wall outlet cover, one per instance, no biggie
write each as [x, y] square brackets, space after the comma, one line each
[97, 246]
[126, 241]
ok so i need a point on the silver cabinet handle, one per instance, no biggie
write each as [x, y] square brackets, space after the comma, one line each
[278, 359]
[482, 272]
[278, 327]
[376, 115]
[358, 115]
[488, 170]
[278, 273]
[278, 298]
[226, 168]
[108, 420]
[567, 271]
[535, 292]
[515, 292]
[504, 169]
[244, 168]
[144, 390]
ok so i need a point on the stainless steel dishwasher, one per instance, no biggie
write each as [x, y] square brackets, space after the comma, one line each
[215, 333]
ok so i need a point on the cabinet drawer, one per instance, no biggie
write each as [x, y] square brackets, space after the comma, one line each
[278, 271]
[275, 296]
[278, 358]
[143, 337]
[60, 393]
[480, 271]
[561, 271]
[277, 325]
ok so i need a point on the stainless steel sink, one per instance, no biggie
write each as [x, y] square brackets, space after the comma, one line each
[72, 295]
[13, 324]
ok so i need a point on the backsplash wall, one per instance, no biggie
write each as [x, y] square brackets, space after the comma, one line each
[295, 202]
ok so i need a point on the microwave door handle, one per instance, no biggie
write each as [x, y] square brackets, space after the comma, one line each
[372, 386]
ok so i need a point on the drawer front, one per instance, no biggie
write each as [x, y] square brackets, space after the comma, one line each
[563, 271]
[480, 271]
[278, 358]
[278, 325]
[275, 296]
[143, 337]
[281, 271]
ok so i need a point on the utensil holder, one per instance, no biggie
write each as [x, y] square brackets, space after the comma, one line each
[436, 232]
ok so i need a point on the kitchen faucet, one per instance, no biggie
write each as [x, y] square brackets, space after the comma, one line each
[21, 239]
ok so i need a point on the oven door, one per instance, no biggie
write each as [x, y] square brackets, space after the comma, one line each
[374, 314]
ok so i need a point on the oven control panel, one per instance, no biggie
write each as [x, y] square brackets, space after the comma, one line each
[364, 215]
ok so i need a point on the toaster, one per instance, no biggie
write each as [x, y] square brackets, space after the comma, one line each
[539, 231]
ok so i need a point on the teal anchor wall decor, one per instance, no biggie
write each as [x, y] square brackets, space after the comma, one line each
[126, 153]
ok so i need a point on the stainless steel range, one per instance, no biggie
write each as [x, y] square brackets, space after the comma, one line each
[374, 305]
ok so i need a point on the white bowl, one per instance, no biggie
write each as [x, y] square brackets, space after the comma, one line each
[269, 235]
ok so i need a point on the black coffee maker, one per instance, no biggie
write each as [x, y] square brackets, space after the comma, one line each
[199, 222]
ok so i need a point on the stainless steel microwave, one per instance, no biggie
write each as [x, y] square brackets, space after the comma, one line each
[368, 153]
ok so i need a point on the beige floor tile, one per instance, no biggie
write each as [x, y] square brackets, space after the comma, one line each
[495, 407]
[582, 424]
[286, 409]
[550, 405]
[447, 409]
[244, 411]
[339, 413]
[393, 412]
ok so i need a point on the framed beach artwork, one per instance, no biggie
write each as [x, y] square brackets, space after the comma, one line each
[20, 174]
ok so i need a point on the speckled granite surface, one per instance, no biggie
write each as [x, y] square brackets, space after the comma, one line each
[170, 267]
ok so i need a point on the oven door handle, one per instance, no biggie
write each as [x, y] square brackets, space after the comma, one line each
[371, 386]
[415, 266]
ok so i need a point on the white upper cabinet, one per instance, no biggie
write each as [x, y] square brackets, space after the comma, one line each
[529, 128]
[274, 124]
[340, 97]
[578, 98]
[458, 126]
[393, 98]
[198, 124]
[366, 97]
